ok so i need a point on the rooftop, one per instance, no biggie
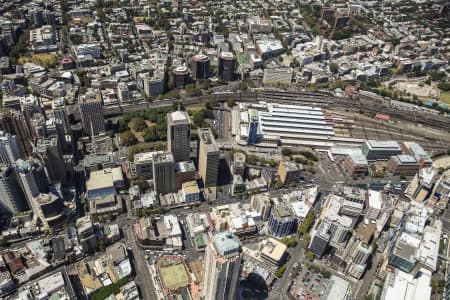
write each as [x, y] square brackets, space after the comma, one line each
[226, 243]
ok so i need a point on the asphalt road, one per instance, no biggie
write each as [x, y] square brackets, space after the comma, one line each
[142, 279]
[281, 286]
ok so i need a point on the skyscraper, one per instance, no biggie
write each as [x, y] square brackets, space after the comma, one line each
[222, 267]
[59, 112]
[227, 66]
[164, 173]
[9, 148]
[12, 198]
[33, 180]
[200, 66]
[92, 117]
[14, 122]
[179, 135]
[208, 157]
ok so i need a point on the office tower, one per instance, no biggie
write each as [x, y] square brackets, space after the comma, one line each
[164, 173]
[60, 113]
[9, 148]
[227, 66]
[92, 117]
[12, 198]
[282, 221]
[200, 66]
[33, 180]
[180, 76]
[14, 123]
[37, 125]
[50, 209]
[51, 153]
[179, 135]
[222, 267]
[208, 157]
[319, 242]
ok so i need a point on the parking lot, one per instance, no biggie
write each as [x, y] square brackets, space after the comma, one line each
[308, 285]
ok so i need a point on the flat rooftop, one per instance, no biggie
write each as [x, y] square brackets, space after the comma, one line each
[226, 243]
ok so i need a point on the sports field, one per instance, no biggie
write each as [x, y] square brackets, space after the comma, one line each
[174, 276]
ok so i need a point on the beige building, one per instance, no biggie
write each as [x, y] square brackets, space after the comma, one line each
[289, 171]
[208, 157]
[179, 135]
[164, 173]
[273, 251]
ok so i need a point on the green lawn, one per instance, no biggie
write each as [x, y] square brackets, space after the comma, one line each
[174, 276]
[445, 97]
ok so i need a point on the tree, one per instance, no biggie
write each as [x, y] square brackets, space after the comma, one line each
[309, 255]
[306, 238]
[137, 124]
[279, 273]
[334, 68]
[127, 138]
[307, 223]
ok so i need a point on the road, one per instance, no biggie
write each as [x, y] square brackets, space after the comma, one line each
[143, 278]
[369, 277]
[281, 286]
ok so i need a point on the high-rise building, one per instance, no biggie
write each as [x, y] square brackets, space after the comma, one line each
[9, 148]
[208, 157]
[33, 180]
[180, 76]
[164, 173]
[92, 116]
[282, 221]
[179, 135]
[51, 153]
[14, 122]
[222, 267]
[12, 198]
[200, 66]
[60, 113]
[227, 66]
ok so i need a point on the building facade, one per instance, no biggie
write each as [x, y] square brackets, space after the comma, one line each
[179, 135]
[222, 267]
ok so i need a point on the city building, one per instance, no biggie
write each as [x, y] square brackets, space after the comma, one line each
[50, 209]
[110, 205]
[261, 203]
[143, 164]
[191, 192]
[227, 66]
[289, 172]
[208, 157]
[222, 267]
[9, 148]
[33, 180]
[239, 163]
[273, 251]
[416, 151]
[320, 239]
[103, 183]
[404, 165]
[12, 198]
[422, 184]
[15, 123]
[179, 135]
[356, 165]
[281, 220]
[91, 111]
[180, 76]
[274, 76]
[380, 150]
[184, 172]
[164, 173]
[200, 66]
